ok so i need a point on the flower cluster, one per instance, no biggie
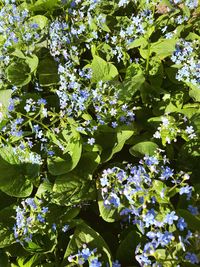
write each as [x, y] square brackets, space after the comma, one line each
[186, 56]
[19, 34]
[170, 129]
[87, 255]
[30, 219]
[73, 94]
[141, 195]
[191, 4]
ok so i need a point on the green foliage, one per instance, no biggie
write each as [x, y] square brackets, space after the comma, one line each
[102, 70]
[18, 73]
[99, 99]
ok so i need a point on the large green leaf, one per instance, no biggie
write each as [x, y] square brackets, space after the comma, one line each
[163, 48]
[48, 5]
[114, 142]
[32, 61]
[102, 70]
[58, 165]
[143, 148]
[29, 261]
[40, 20]
[89, 159]
[48, 72]
[194, 92]
[5, 96]
[14, 174]
[6, 236]
[86, 235]
[127, 246]
[70, 189]
[4, 261]
[18, 73]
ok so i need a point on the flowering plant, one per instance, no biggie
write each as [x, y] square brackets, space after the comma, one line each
[99, 133]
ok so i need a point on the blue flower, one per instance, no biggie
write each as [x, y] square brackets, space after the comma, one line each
[104, 181]
[114, 199]
[192, 258]
[40, 218]
[95, 263]
[116, 264]
[31, 203]
[149, 218]
[54, 227]
[91, 141]
[65, 228]
[181, 224]
[166, 173]
[86, 253]
[164, 239]
[171, 217]
[186, 190]
[193, 210]
[151, 160]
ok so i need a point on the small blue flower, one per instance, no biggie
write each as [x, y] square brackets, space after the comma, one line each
[91, 141]
[166, 173]
[181, 224]
[116, 264]
[171, 217]
[54, 227]
[86, 253]
[114, 199]
[104, 181]
[40, 218]
[95, 263]
[192, 258]
[65, 228]
[186, 190]
[193, 210]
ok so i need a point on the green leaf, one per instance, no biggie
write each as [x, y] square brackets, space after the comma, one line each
[18, 53]
[70, 189]
[4, 261]
[13, 179]
[5, 96]
[6, 236]
[18, 187]
[127, 246]
[67, 162]
[194, 92]
[18, 73]
[143, 148]
[89, 159]
[158, 187]
[42, 5]
[40, 244]
[155, 72]
[133, 81]
[29, 261]
[138, 42]
[114, 144]
[102, 70]
[163, 48]
[84, 234]
[107, 214]
[32, 61]
[48, 72]
[40, 20]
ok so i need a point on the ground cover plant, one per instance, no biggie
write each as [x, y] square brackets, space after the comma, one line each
[100, 133]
